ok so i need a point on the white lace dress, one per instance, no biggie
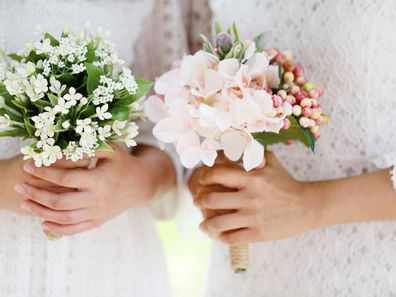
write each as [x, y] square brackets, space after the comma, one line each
[349, 47]
[122, 258]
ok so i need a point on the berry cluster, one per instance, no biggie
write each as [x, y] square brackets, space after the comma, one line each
[295, 89]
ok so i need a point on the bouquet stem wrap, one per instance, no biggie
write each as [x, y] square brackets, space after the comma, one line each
[240, 257]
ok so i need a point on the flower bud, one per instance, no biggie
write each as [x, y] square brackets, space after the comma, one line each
[314, 129]
[320, 90]
[282, 94]
[289, 142]
[294, 89]
[224, 42]
[300, 80]
[286, 124]
[288, 77]
[277, 100]
[325, 119]
[289, 66]
[285, 86]
[307, 112]
[313, 94]
[315, 114]
[308, 86]
[319, 121]
[316, 135]
[306, 102]
[291, 100]
[280, 58]
[314, 102]
[297, 110]
[298, 71]
[304, 122]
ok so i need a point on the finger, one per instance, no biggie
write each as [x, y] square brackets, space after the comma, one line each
[230, 177]
[241, 236]
[68, 230]
[68, 164]
[227, 222]
[56, 216]
[109, 154]
[71, 178]
[271, 160]
[218, 201]
[54, 201]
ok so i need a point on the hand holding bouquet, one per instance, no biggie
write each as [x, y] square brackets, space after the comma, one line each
[237, 98]
[69, 97]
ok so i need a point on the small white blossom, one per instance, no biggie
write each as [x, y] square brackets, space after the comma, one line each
[78, 68]
[88, 140]
[118, 126]
[128, 81]
[102, 112]
[27, 152]
[5, 121]
[72, 97]
[84, 126]
[62, 106]
[66, 124]
[56, 86]
[43, 47]
[104, 132]
[51, 154]
[45, 142]
[73, 152]
[133, 131]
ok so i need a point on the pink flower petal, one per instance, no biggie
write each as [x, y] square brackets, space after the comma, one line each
[253, 155]
[155, 109]
[233, 144]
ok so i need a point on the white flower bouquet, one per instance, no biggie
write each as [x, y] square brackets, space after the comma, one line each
[237, 98]
[69, 97]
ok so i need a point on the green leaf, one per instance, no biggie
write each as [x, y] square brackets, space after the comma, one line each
[218, 28]
[94, 74]
[53, 40]
[13, 133]
[53, 99]
[68, 79]
[15, 57]
[42, 103]
[236, 34]
[90, 56]
[22, 105]
[58, 126]
[144, 87]
[261, 40]
[87, 111]
[29, 127]
[295, 132]
[120, 113]
[104, 147]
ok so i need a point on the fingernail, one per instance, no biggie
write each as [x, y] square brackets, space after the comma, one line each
[28, 168]
[25, 206]
[19, 188]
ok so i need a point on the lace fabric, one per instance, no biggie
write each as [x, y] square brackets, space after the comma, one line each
[348, 47]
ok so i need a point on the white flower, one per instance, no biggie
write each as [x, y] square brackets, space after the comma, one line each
[72, 97]
[84, 126]
[73, 152]
[104, 132]
[45, 142]
[88, 140]
[51, 154]
[118, 126]
[5, 121]
[102, 114]
[43, 47]
[39, 159]
[62, 106]
[78, 68]
[26, 69]
[40, 84]
[56, 86]
[133, 131]
[128, 81]
[27, 152]
[66, 124]
[2, 102]
[51, 111]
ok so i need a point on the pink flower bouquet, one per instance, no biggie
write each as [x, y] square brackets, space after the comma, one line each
[237, 98]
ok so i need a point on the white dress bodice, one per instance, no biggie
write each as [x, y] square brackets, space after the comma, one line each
[350, 48]
[122, 258]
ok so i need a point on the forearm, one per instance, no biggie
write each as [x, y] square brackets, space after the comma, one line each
[160, 165]
[368, 197]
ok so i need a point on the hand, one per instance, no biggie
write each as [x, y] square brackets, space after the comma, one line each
[12, 174]
[120, 181]
[264, 204]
